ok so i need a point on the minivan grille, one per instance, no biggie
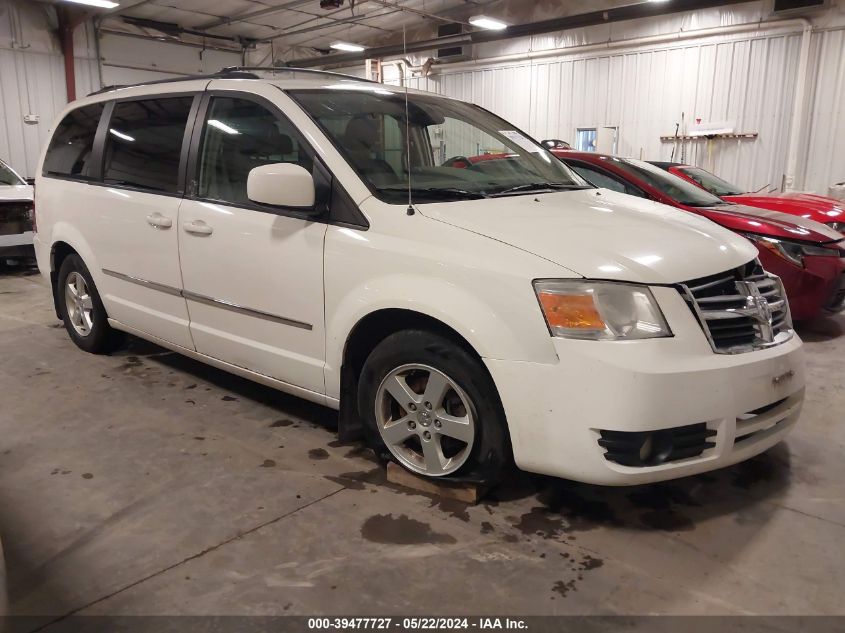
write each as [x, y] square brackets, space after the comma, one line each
[740, 310]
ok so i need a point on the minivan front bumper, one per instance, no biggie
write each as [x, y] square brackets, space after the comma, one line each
[556, 413]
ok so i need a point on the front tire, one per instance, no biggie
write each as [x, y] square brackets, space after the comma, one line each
[81, 309]
[433, 406]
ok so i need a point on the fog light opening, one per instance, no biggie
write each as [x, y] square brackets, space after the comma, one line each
[656, 448]
[646, 448]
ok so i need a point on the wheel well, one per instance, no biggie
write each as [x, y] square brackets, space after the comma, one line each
[58, 254]
[368, 333]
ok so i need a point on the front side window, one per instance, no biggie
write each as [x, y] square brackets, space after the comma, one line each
[443, 149]
[712, 183]
[72, 146]
[144, 143]
[240, 135]
[675, 187]
[8, 177]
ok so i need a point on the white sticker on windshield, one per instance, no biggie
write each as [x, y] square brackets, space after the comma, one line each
[520, 140]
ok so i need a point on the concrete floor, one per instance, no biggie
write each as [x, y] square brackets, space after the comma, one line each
[146, 483]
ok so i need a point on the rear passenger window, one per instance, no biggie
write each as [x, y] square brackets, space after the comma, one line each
[144, 143]
[72, 145]
[239, 136]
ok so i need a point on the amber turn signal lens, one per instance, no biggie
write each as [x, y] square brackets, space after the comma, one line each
[570, 311]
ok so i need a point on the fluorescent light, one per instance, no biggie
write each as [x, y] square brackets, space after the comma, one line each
[103, 4]
[118, 134]
[491, 24]
[222, 126]
[345, 46]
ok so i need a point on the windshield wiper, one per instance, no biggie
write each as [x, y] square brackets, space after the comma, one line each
[537, 186]
[436, 192]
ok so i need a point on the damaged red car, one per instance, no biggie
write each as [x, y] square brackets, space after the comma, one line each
[808, 256]
[829, 211]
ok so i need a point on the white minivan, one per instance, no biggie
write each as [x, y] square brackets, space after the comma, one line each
[420, 264]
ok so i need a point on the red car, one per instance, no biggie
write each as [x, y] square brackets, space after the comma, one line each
[808, 256]
[822, 209]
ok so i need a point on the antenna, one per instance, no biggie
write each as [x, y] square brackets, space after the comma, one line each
[410, 209]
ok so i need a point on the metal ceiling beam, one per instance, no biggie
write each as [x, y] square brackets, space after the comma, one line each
[425, 14]
[319, 27]
[357, 20]
[254, 14]
[592, 18]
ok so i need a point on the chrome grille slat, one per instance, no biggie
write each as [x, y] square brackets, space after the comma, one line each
[710, 284]
[740, 311]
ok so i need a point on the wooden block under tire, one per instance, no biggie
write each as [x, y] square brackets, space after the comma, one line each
[465, 492]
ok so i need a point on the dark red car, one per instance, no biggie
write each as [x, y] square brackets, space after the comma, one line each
[808, 256]
[822, 209]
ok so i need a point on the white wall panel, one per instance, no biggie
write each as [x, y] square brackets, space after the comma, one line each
[32, 79]
[643, 92]
[824, 150]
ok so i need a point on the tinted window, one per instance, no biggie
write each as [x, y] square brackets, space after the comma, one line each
[8, 177]
[72, 144]
[144, 143]
[600, 179]
[712, 182]
[673, 186]
[239, 136]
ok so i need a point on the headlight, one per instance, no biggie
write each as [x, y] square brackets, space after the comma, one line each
[600, 310]
[837, 226]
[791, 251]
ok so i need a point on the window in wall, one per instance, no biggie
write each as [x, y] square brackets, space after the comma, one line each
[240, 135]
[585, 139]
[144, 143]
[72, 144]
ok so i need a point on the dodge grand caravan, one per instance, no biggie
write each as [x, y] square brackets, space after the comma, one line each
[309, 233]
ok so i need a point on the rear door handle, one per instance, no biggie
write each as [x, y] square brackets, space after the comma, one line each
[197, 227]
[158, 221]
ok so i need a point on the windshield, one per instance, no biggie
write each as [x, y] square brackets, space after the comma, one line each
[712, 182]
[675, 187]
[448, 150]
[8, 177]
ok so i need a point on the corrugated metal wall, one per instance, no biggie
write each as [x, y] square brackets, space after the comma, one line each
[747, 81]
[824, 153]
[32, 79]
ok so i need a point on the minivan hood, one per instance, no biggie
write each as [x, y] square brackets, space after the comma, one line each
[602, 234]
[739, 217]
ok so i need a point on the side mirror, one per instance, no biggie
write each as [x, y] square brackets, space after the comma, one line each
[282, 185]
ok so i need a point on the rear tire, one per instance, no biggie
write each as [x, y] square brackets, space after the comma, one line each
[434, 408]
[82, 310]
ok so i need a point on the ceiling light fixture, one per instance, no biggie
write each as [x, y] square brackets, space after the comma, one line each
[120, 134]
[222, 126]
[491, 24]
[345, 46]
[102, 4]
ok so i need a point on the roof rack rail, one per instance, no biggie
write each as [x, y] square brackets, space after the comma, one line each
[223, 74]
[293, 69]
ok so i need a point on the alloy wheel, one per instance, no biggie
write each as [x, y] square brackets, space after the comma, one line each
[80, 306]
[425, 419]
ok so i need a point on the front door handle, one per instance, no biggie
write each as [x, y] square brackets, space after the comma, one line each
[197, 227]
[158, 221]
